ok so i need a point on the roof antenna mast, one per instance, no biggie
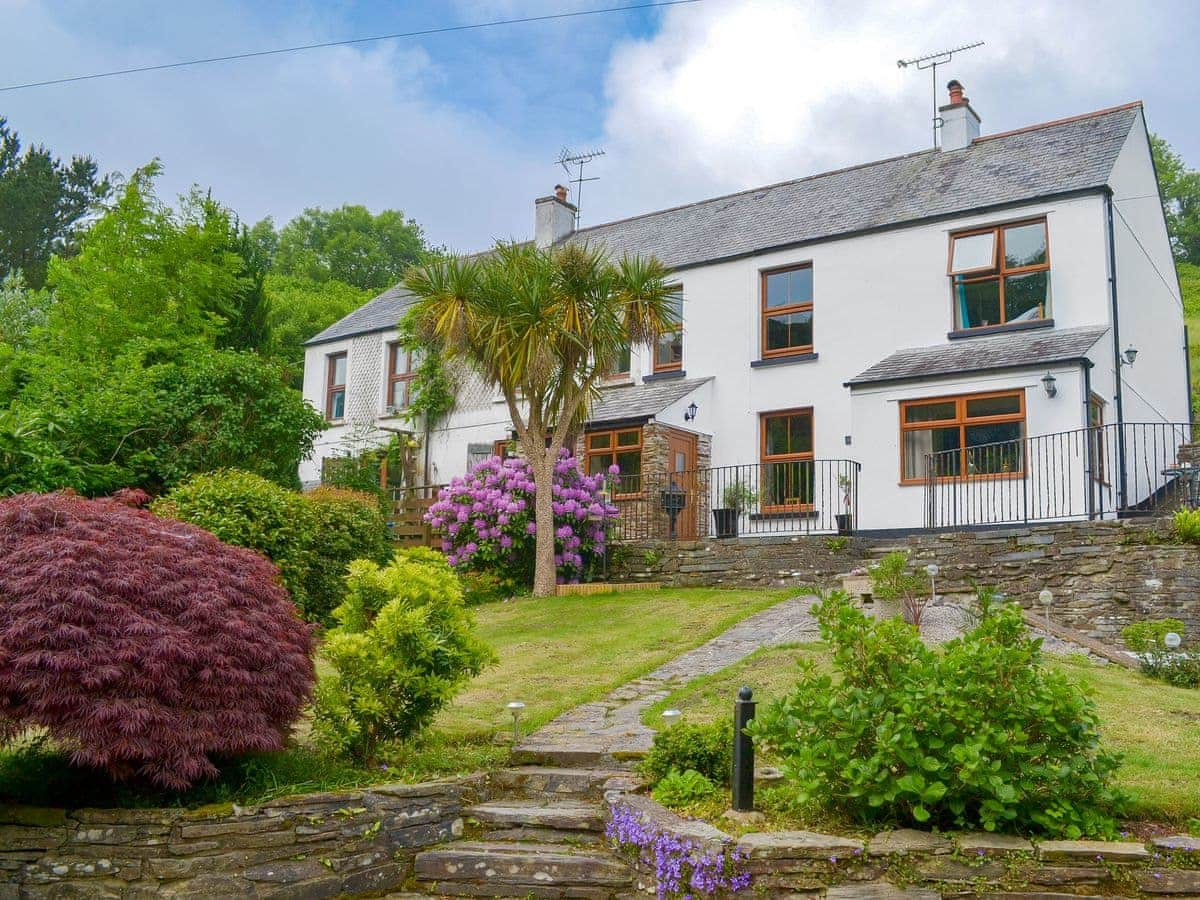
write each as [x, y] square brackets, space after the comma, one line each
[566, 159]
[932, 61]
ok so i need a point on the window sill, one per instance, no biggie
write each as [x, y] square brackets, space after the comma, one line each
[785, 514]
[783, 360]
[329, 421]
[665, 375]
[1000, 329]
[951, 479]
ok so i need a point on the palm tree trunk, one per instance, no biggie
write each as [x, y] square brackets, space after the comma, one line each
[545, 572]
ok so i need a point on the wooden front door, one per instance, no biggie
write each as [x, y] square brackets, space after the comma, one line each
[681, 468]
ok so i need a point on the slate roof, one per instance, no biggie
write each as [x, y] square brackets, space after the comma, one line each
[380, 314]
[640, 401]
[1013, 350]
[1059, 157]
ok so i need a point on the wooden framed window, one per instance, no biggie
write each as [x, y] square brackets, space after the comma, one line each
[976, 435]
[1000, 275]
[1096, 406]
[787, 311]
[786, 482]
[621, 366]
[335, 386]
[399, 377]
[621, 447]
[668, 346]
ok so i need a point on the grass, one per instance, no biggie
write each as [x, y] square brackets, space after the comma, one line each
[1154, 726]
[553, 654]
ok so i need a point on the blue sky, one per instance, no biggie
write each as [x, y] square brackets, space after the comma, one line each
[461, 130]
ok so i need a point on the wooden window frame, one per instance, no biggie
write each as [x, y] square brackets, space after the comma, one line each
[1095, 401]
[623, 375]
[331, 388]
[612, 450]
[962, 422]
[657, 367]
[393, 379]
[764, 459]
[997, 272]
[766, 313]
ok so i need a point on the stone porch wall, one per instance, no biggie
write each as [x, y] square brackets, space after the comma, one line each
[318, 845]
[1104, 575]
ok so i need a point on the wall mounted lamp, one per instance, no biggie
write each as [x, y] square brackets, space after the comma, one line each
[1050, 383]
[690, 415]
[1129, 356]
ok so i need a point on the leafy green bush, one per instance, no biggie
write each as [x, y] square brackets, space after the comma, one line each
[683, 788]
[1141, 637]
[981, 734]
[1187, 525]
[312, 538]
[405, 644]
[1148, 640]
[706, 748]
[484, 587]
[892, 579]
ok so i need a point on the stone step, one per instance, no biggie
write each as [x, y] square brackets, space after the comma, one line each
[559, 815]
[550, 781]
[568, 756]
[507, 869]
[531, 834]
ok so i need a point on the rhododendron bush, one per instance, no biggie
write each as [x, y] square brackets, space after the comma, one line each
[144, 645]
[488, 517]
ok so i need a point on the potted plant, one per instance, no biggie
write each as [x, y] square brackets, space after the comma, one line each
[845, 521]
[735, 499]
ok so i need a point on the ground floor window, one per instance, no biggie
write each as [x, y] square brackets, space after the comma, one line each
[1096, 438]
[971, 434]
[786, 481]
[621, 447]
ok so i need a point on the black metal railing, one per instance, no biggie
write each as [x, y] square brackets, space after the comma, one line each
[787, 497]
[1089, 473]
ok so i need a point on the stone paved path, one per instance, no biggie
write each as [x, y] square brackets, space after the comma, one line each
[611, 729]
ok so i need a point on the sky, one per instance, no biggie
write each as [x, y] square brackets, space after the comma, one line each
[461, 131]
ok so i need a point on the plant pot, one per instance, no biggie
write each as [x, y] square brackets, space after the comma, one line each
[726, 521]
[845, 523]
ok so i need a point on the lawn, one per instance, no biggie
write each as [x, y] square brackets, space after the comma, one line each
[553, 654]
[1154, 726]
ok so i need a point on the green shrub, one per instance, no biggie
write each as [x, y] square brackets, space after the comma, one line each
[312, 538]
[683, 788]
[1142, 637]
[405, 644]
[706, 748]
[484, 587]
[981, 734]
[1187, 525]
[892, 579]
[1148, 640]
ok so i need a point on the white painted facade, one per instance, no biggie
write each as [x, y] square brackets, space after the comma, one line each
[873, 294]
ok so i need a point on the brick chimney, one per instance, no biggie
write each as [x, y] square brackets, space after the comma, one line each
[554, 218]
[960, 123]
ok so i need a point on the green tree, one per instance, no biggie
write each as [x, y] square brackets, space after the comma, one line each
[22, 310]
[351, 245]
[1189, 282]
[44, 204]
[1180, 188]
[299, 308]
[543, 326]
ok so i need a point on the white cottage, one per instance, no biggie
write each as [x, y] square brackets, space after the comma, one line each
[990, 331]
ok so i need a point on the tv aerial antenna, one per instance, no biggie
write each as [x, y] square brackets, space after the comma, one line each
[566, 159]
[932, 61]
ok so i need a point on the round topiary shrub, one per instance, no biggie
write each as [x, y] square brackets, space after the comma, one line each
[145, 645]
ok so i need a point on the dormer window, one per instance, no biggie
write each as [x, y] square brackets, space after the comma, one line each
[1000, 275]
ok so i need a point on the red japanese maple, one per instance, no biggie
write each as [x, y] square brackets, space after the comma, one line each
[144, 644]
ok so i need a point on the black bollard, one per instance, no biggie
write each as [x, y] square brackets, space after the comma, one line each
[743, 752]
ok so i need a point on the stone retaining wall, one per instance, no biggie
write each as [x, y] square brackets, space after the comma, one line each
[1103, 575]
[928, 866]
[318, 845]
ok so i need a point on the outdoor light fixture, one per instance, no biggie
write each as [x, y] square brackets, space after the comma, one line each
[671, 717]
[515, 708]
[1172, 640]
[1129, 356]
[690, 415]
[932, 571]
[1046, 598]
[1049, 382]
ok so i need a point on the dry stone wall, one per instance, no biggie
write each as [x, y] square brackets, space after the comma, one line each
[318, 845]
[1103, 575]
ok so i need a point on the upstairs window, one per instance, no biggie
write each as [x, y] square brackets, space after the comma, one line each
[1000, 275]
[787, 476]
[973, 435]
[622, 448]
[335, 387]
[787, 311]
[399, 377]
[668, 347]
[621, 364]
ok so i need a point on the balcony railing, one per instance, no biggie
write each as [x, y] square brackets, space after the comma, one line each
[791, 497]
[1089, 473]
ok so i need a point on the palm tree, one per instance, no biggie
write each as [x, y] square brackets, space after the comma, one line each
[542, 325]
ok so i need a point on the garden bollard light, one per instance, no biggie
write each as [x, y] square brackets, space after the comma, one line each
[1172, 640]
[1046, 598]
[515, 708]
[671, 717]
[932, 571]
[743, 752]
